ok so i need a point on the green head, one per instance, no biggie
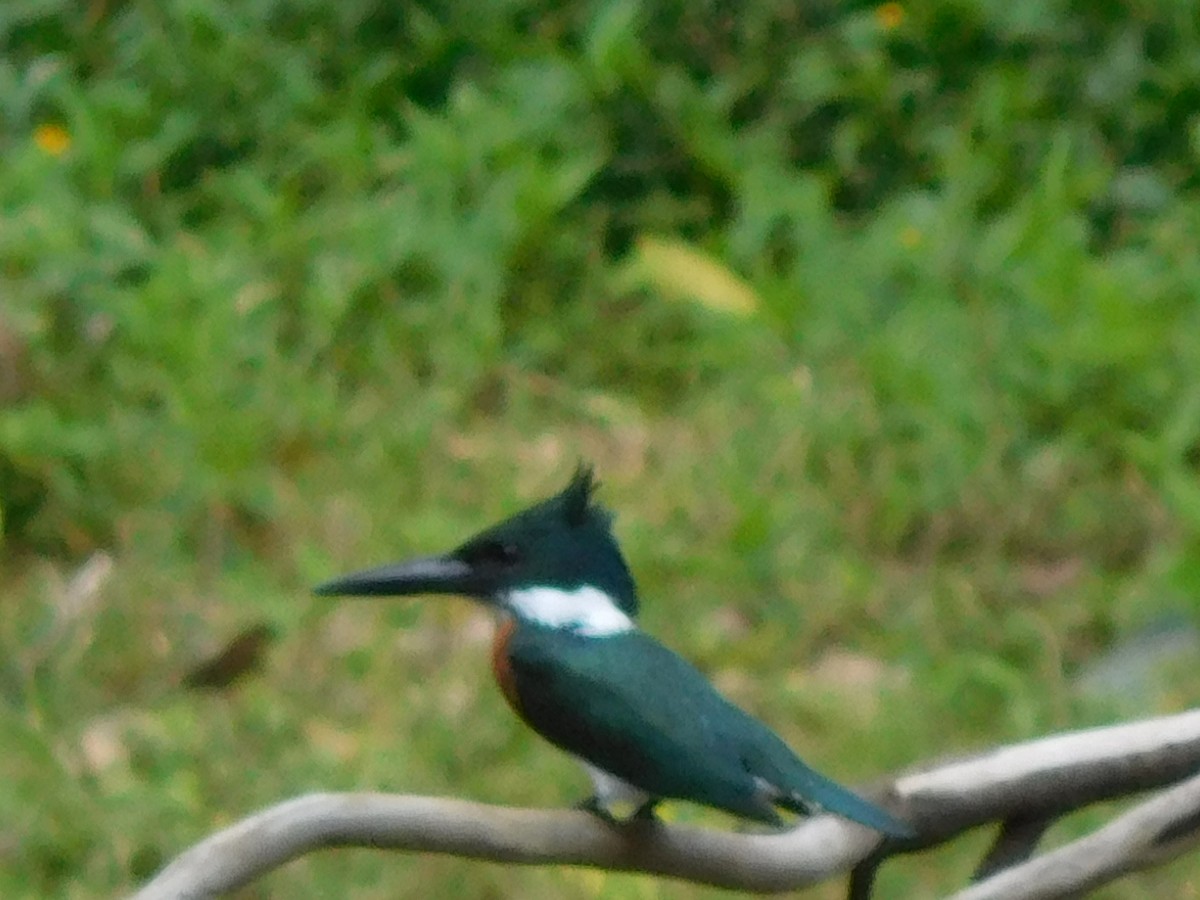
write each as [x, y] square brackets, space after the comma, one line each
[555, 562]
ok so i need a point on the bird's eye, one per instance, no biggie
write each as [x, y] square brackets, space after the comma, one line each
[501, 553]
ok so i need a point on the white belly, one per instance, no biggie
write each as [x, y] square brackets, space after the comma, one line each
[611, 789]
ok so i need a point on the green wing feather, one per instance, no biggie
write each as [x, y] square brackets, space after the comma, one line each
[630, 706]
[627, 704]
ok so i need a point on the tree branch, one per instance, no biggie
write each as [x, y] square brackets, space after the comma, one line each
[817, 850]
[1038, 780]
[1051, 776]
[1130, 842]
[1015, 842]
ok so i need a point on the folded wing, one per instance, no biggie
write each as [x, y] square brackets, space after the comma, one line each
[632, 707]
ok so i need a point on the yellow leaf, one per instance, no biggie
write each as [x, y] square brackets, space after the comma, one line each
[889, 15]
[52, 139]
[678, 270]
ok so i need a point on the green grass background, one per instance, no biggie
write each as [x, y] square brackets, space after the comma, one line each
[880, 323]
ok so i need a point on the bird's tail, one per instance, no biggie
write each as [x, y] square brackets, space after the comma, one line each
[808, 791]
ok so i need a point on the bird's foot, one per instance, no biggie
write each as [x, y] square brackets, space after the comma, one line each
[645, 812]
[593, 805]
[643, 815]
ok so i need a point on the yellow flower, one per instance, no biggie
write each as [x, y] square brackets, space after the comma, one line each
[889, 15]
[910, 237]
[52, 139]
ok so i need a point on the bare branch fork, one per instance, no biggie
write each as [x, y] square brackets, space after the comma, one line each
[1025, 786]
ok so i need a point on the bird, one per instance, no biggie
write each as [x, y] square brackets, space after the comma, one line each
[572, 663]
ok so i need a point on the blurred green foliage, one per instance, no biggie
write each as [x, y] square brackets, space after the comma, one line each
[879, 321]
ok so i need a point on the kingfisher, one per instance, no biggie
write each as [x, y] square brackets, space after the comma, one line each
[572, 663]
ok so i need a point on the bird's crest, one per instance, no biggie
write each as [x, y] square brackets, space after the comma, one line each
[578, 496]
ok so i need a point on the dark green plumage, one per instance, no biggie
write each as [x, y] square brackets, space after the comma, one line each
[632, 707]
[565, 541]
[573, 664]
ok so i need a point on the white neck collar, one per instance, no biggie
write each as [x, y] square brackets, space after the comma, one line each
[585, 610]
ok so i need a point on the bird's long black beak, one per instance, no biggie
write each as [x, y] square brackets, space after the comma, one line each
[427, 575]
